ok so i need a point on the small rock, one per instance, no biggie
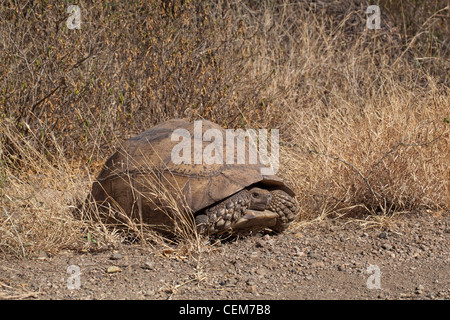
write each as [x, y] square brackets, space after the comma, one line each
[116, 256]
[419, 289]
[150, 293]
[250, 282]
[250, 289]
[259, 243]
[42, 255]
[383, 235]
[298, 252]
[386, 246]
[266, 237]
[149, 265]
[314, 255]
[317, 264]
[262, 271]
[113, 269]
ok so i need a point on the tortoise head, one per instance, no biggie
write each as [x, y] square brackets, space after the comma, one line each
[259, 199]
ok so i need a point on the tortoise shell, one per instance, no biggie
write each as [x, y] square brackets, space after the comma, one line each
[142, 181]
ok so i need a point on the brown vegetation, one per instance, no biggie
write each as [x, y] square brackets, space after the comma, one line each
[363, 114]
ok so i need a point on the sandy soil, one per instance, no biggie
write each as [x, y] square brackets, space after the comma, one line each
[331, 259]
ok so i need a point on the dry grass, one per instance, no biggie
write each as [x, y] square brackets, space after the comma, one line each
[363, 114]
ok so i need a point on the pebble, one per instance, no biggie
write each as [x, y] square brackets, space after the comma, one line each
[419, 289]
[386, 246]
[383, 235]
[113, 269]
[267, 237]
[43, 255]
[314, 255]
[250, 289]
[259, 243]
[317, 264]
[250, 282]
[116, 256]
[298, 252]
[149, 265]
[262, 271]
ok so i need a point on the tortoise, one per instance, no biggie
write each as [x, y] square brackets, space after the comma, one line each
[141, 180]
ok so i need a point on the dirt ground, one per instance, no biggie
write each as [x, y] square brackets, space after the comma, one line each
[330, 259]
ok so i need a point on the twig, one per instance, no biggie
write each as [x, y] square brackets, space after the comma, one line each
[47, 96]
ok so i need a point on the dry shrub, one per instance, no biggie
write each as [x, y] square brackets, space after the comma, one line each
[363, 114]
[37, 196]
